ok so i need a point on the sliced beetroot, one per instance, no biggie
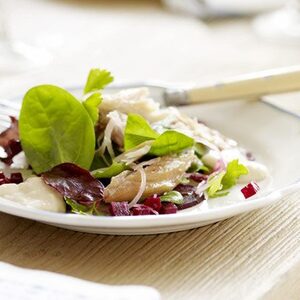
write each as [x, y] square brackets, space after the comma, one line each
[119, 209]
[153, 202]
[168, 208]
[184, 189]
[250, 156]
[250, 189]
[9, 140]
[198, 177]
[191, 198]
[14, 178]
[141, 209]
[75, 183]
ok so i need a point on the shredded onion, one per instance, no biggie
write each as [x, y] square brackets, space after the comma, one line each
[141, 188]
[201, 187]
[106, 144]
[134, 154]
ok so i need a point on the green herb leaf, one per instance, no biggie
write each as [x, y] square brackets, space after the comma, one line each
[55, 128]
[173, 196]
[113, 170]
[170, 142]
[137, 131]
[233, 171]
[91, 104]
[97, 80]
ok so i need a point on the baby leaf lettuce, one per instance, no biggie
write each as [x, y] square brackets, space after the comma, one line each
[137, 131]
[233, 171]
[220, 184]
[55, 128]
[170, 142]
[215, 185]
[97, 80]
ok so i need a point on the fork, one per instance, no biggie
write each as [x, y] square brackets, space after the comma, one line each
[249, 86]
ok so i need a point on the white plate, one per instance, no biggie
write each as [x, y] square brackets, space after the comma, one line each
[273, 135]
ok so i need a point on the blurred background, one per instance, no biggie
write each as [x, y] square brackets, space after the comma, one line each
[175, 41]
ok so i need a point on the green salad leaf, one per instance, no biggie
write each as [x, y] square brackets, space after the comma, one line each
[233, 171]
[170, 142]
[137, 131]
[200, 149]
[215, 185]
[80, 209]
[91, 104]
[114, 169]
[55, 128]
[222, 182]
[172, 196]
[97, 80]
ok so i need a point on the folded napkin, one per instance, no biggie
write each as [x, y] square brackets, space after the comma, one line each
[18, 283]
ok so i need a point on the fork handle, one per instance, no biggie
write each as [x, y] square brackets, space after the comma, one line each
[254, 85]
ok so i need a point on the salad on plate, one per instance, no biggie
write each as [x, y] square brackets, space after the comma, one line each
[117, 155]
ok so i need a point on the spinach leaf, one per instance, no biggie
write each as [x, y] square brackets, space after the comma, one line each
[137, 131]
[170, 142]
[114, 169]
[91, 104]
[55, 128]
[97, 80]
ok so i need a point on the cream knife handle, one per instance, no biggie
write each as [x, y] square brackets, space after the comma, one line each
[246, 86]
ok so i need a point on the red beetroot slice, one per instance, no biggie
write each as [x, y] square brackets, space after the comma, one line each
[119, 209]
[250, 189]
[153, 202]
[14, 178]
[76, 183]
[184, 189]
[191, 198]
[168, 208]
[141, 209]
[9, 140]
[198, 177]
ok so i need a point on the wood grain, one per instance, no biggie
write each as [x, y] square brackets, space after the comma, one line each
[241, 258]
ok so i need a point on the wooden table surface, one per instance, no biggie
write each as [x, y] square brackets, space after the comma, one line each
[252, 256]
